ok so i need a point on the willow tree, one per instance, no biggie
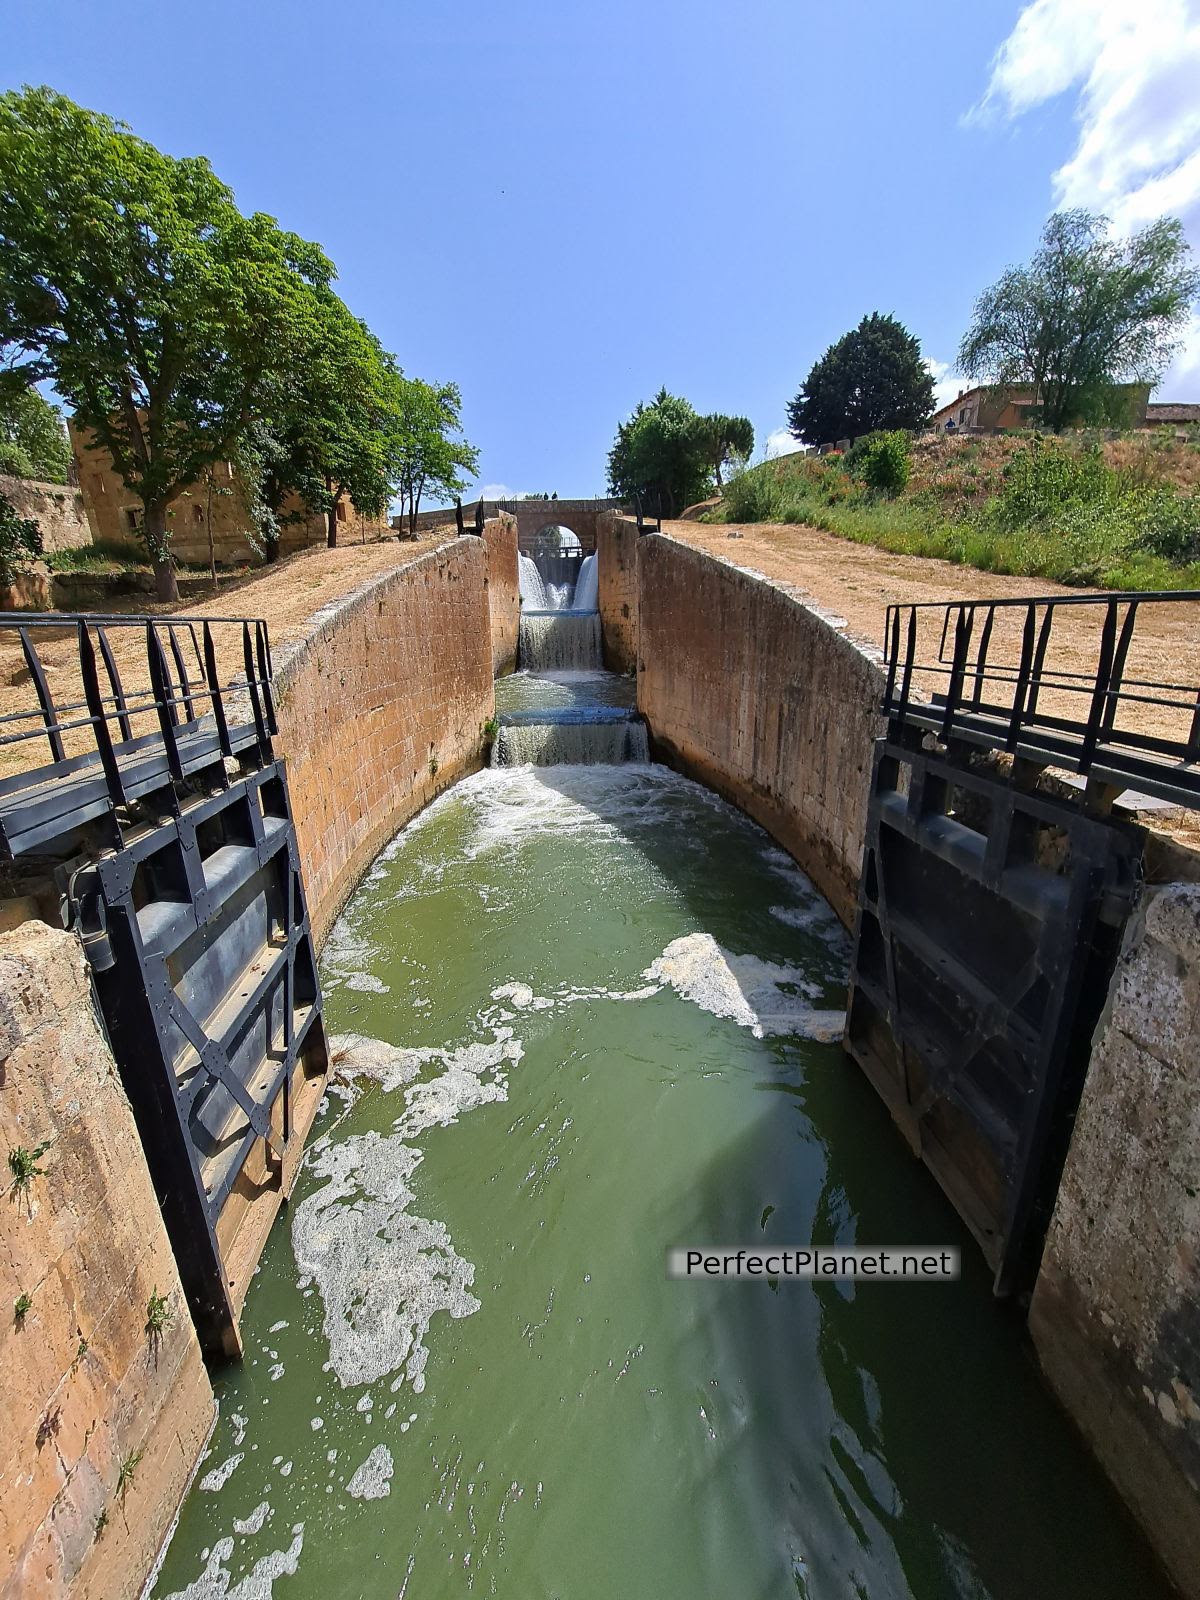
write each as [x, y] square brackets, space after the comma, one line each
[1086, 316]
[132, 281]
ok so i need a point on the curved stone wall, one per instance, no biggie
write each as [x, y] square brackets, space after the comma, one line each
[750, 689]
[384, 703]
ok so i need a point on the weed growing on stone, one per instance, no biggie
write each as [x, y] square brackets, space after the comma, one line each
[158, 1314]
[81, 1350]
[23, 1164]
[101, 1523]
[127, 1469]
[22, 1306]
[433, 766]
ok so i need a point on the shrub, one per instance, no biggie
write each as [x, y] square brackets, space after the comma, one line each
[20, 540]
[882, 461]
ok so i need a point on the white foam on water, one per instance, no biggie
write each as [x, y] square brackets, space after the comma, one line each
[354, 1055]
[254, 1522]
[215, 1480]
[213, 1583]
[373, 1479]
[760, 995]
[367, 983]
[384, 1273]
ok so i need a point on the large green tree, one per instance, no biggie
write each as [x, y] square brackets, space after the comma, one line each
[1088, 314]
[723, 440]
[872, 378]
[33, 440]
[428, 454]
[660, 456]
[133, 281]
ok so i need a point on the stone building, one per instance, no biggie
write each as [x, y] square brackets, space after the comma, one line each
[114, 513]
[991, 408]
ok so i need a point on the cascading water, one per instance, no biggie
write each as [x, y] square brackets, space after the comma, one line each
[567, 713]
[533, 590]
[587, 586]
[560, 641]
[604, 737]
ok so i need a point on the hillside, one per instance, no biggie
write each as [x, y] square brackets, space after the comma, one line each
[1121, 512]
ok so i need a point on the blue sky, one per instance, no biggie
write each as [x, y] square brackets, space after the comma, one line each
[562, 207]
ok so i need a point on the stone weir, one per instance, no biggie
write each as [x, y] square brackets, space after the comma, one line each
[569, 736]
[562, 708]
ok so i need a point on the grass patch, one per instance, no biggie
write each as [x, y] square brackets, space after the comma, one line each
[1064, 510]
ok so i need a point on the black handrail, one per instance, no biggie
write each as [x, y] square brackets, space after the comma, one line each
[996, 697]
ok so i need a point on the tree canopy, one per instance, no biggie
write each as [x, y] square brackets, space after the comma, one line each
[660, 456]
[1087, 314]
[33, 440]
[428, 454]
[872, 379]
[131, 279]
[724, 440]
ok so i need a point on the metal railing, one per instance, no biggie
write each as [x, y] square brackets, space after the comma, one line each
[136, 705]
[1104, 702]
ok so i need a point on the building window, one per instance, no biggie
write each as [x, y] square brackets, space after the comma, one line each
[133, 519]
[197, 513]
[341, 511]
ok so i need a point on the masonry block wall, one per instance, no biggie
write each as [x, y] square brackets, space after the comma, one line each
[504, 592]
[617, 558]
[383, 705]
[57, 508]
[753, 692]
[1116, 1310]
[89, 1387]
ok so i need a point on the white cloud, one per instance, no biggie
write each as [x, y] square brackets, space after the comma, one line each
[1135, 66]
[780, 443]
[946, 386]
[499, 491]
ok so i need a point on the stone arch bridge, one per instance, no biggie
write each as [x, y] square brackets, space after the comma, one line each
[532, 516]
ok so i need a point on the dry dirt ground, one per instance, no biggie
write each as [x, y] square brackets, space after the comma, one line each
[287, 596]
[858, 582]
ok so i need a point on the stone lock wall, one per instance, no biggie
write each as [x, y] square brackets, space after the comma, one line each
[504, 592]
[617, 558]
[384, 703]
[89, 1387]
[751, 690]
[1115, 1315]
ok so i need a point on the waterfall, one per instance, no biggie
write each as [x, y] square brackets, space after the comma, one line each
[560, 641]
[552, 744]
[533, 590]
[587, 586]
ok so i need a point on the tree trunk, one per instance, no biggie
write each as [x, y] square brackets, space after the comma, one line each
[331, 515]
[212, 549]
[154, 529]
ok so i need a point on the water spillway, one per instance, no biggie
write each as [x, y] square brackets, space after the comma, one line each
[603, 735]
[559, 641]
[562, 708]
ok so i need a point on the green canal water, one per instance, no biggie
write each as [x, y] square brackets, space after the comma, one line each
[581, 1015]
